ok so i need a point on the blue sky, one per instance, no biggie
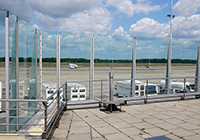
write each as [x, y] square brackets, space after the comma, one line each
[124, 18]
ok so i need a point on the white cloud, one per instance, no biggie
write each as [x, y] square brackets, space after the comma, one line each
[187, 27]
[128, 8]
[149, 28]
[182, 27]
[186, 7]
[119, 31]
[62, 8]
[76, 15]
[20, 8]
[96, 20]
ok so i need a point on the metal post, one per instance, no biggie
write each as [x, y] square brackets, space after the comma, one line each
[45, 119]
[197, 79]
[65, 108]
[133, 73]
[146, 92]
[111, 76]
[101, 93]
[40, 61]
[183, 97]
[58, 107]
[7, 68]
[58, 60]
[168, 71]
[91, 91]
[36, 74]
[17, 68]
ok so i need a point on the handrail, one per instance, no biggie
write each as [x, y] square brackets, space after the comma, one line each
[53, 110]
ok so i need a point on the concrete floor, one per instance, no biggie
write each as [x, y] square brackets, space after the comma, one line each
[175, 120]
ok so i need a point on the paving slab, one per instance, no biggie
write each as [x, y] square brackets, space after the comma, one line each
[156, 131]
[121, 124]
[166, 125]
[131, 131]
[107, 130]
[197, 137]
[181, 132]
[189, 126]
[143, 125]
[138, 122]
[79, 136]
[117, 136]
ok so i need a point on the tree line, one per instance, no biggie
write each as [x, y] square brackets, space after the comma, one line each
[84, 60]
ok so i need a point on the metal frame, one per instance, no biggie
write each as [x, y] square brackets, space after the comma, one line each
[58, 60]
[197, 80]
[92, 68]
[17, 66]
[36, 74]
[133, 72]
[40, 65]
[7, 67]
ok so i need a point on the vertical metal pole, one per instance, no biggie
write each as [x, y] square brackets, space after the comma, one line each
[91, 92]
[58, 77]
[197, 79]
[7, 67]
[65, 97]
[58, 60]
[171, 20]
[45, 120]
[168, 72]
[101, 93]
[146, 92]
[133, 73]
[40, 61]
[183, 97]
[111, 76]
[36, 74]
[17, 69]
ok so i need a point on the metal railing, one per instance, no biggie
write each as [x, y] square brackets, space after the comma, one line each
[44, 115]
[103, 87]
[47, 113]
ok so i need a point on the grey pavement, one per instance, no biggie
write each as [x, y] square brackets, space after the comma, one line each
[175, 120]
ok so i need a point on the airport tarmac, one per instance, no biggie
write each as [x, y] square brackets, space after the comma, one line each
[82, 73]
[49, 74]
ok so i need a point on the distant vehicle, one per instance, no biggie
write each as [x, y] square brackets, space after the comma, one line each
[178, 86]
[72, 66]
[123, 88]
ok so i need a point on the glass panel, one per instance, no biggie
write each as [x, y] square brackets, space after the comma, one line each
[75, 56]
[2, 65]
[184, 57]
[49, 57]
[12, 85]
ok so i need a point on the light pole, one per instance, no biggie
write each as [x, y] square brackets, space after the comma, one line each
[168, 71]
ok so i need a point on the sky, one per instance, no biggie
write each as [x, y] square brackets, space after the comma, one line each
[141, 18]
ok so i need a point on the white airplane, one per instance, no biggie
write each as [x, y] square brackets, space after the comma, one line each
[72, 66]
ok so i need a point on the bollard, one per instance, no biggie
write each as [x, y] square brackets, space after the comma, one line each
[111, 76]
